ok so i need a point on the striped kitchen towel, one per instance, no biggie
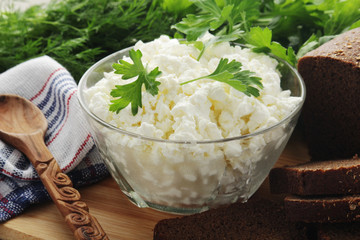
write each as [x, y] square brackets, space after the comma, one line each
[51, 87]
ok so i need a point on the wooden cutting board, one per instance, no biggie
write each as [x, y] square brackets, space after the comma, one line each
[118, 216]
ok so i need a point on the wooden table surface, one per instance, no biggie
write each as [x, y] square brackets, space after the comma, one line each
[117, 215]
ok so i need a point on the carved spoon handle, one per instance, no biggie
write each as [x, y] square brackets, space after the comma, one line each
[60, 188]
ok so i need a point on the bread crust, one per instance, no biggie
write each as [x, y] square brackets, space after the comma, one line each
[322, 209]
[345, 48]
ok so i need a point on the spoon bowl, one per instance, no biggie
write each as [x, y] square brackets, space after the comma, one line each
[19, 118]
[23, 125]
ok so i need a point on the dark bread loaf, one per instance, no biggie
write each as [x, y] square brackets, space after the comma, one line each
[256, 219]
[324, 209]
[317, 178]
[339, 231]
[331, 111]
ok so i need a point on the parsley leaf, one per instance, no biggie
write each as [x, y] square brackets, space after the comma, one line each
[260, 39]
[231, 74]
[131, 93]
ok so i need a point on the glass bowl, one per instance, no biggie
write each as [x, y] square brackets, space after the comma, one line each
[177, 181]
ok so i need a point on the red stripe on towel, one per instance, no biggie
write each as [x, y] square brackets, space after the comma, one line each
[78, 152]
[47, 81]
[15, 176]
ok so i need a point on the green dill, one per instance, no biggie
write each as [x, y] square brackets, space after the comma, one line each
[79, 33]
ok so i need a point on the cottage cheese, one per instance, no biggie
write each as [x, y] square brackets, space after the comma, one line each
[176, 174]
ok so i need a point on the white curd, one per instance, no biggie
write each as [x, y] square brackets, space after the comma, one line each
[175, 174]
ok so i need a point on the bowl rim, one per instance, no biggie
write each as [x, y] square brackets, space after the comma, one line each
[83, 80]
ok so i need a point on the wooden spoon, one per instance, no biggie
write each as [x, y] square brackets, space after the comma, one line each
[23, 125]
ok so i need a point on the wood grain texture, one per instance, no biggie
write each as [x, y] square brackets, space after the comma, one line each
[23, 126]
[119, 217]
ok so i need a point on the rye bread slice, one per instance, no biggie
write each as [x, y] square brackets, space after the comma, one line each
[317, 178]
[322, 209]
[256, 219]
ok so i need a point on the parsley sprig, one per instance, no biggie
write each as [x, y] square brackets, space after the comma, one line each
[131, 93]
[231, 74]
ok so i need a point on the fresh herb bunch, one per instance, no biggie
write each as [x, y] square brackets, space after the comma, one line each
[78, 33]
[306, 24]
[279, 27]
